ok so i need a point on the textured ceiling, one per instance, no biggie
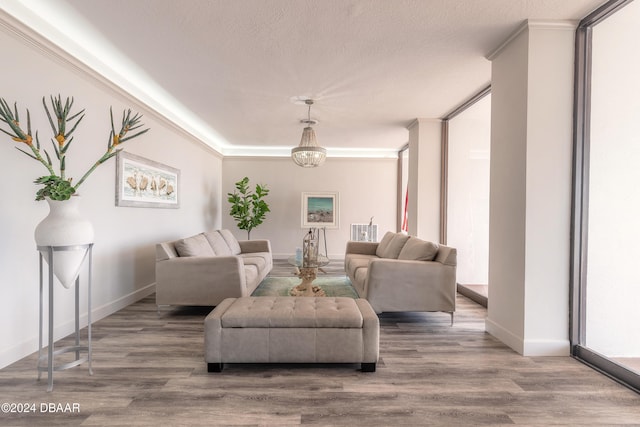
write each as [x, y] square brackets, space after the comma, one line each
[373, 66]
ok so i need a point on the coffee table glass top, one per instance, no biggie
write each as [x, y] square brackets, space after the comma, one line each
[322, 261]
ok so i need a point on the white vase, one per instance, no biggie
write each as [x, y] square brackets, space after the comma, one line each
[64, 226]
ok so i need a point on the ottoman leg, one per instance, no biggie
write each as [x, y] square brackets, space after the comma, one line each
[216, 367]
[368, 367]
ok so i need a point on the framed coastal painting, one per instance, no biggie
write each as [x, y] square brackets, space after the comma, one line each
[320, 210]
[144, 183]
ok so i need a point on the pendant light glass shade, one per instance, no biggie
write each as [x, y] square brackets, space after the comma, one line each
[308, 154]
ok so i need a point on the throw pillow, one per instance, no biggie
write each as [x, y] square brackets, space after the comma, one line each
[384, 243]
[194, 246]
[231, 241]
[392, 250]
[218, 243]
[418, 250]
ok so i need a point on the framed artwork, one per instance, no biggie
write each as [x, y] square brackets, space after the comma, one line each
[144, 183]
[320, 210]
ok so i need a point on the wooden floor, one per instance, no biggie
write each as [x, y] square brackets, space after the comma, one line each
[149, 371]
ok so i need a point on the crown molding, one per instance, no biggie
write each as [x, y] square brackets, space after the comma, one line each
[20, 25]
[536, 24]
[255, 151]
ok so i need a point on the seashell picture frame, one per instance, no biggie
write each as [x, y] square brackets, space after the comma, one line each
[145, 183]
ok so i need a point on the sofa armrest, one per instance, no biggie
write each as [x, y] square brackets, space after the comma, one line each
[447, 255]
[199, 280]
[364, 248]
[251, 246]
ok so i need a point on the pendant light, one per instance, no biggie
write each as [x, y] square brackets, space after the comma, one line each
[308, 154]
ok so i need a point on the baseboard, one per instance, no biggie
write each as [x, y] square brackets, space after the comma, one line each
[30, 345]
[110, 308]
[471, 292]
[559, 348]
[504, 335]
[528, 347]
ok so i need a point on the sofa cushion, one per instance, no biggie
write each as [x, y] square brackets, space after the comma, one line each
[360, 281]
[258, 261]
[166, 250]
[196, 245]
[218, 243]
[349, 258]
[251, 275]
[384, 243]
[231, 241]
[393, 248]
[359, 262]
[418, 250]
[288, 312]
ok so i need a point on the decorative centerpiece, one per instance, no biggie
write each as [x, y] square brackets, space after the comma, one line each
[64, 225]
[309, 270]
[306, 288]
[310, 248]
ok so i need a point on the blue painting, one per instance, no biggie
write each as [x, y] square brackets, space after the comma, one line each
[320, 210]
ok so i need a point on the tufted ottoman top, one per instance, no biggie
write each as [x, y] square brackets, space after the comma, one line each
[292, 312]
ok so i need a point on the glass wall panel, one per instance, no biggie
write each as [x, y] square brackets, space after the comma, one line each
[612, 287]
[468, 191]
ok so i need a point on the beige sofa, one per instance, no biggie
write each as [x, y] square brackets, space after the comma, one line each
[403, 273]
[207, 268]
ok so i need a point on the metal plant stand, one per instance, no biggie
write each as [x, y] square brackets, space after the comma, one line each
[46, 361]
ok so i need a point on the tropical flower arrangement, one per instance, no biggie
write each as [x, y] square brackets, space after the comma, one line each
[56, 186]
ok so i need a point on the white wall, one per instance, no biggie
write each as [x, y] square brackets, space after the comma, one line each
[367, 187]
[505, 316]
[613, 283]
[549, 187]
[124, 237]
[530, 206]
[468, 191]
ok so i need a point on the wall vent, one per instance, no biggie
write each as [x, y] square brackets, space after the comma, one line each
[364, 232]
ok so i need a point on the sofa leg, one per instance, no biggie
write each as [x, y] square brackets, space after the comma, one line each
[214, 367]
[368, 367]
[451, 313]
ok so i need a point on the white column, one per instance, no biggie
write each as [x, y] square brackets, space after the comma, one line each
[530, 206]
[425, 136]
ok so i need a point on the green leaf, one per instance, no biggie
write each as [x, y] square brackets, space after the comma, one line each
[247, 207]
[54, 188]
[28, 154]
[64, 149]
[53, 127]
[75, 125]
[133, 136]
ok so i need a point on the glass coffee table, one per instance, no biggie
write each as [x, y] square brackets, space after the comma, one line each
[308, 274]
[321, 262]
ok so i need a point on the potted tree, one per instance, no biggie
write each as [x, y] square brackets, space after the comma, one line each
[247, 207]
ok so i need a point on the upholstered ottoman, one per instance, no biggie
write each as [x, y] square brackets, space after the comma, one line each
[292, 330]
